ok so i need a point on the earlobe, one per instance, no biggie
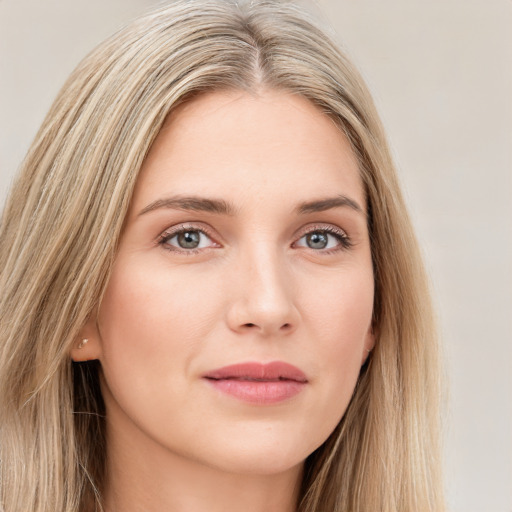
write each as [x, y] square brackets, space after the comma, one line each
[369, 344]
[87, 346]
[82, 343]
[85, 349]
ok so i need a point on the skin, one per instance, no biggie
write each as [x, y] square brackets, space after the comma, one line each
[254, 290]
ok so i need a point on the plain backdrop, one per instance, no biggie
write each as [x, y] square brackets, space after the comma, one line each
[441, 75]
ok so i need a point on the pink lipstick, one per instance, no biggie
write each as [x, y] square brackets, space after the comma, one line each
[258, 383]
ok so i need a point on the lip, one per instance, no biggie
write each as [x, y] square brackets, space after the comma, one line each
[258, 383]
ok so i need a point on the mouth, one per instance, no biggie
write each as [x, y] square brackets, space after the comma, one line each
[258, 383]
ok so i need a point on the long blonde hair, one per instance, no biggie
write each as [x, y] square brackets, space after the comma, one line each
[64, 217]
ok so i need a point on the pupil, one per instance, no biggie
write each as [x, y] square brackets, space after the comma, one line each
[188, 239]
[317, 240]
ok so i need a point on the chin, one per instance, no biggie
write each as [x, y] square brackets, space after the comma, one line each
[260, 462]
[263, 452]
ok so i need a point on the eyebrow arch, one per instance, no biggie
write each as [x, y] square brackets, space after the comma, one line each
[191, 203]
[322, 205]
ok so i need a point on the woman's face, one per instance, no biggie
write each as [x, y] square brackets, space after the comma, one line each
[239, 309]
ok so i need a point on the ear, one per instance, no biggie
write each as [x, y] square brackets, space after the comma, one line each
[87, 345]
[369, 343]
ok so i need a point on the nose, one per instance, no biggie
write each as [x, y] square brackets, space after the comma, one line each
[262, 297]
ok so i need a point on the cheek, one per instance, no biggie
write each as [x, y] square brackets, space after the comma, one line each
[339, 321]
[149, 325]
[339, 313]
[153, 303]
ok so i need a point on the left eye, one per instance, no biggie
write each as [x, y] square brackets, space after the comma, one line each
[320, 239]
[188, 239]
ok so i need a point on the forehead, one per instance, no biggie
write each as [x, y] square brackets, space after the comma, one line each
[234, 143]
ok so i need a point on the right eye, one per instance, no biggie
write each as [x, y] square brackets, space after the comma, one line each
[188, 240]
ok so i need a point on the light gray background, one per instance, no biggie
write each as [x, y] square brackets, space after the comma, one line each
[441, 74]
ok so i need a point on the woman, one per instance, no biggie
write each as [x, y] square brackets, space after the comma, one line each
[212, 297]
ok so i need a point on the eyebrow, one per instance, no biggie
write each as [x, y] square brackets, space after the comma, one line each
[222, 207]
[321, 205]
[192, 203]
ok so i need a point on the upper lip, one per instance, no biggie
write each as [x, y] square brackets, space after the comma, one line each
[273, 371]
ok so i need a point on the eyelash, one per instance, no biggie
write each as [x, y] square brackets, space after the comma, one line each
[344, 241]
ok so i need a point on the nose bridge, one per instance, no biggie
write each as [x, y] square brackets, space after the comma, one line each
[264, 298]
[267, 273]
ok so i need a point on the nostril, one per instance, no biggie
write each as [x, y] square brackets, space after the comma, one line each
[284, 327]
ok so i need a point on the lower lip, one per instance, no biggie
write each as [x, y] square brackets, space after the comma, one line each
[259, 392]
